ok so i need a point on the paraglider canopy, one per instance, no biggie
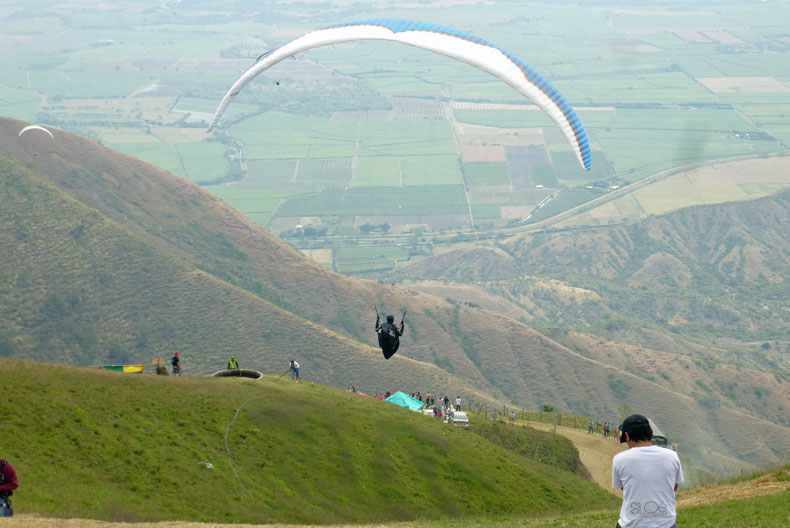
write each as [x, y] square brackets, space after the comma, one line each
[35, 127]
[445, 41]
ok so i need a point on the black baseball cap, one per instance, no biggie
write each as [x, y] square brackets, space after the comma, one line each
[632, 423]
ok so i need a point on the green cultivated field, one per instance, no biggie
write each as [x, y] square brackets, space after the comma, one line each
[160, 154]
[492, 174]
[485, 211]
[377, 171]
[331, 171]
[19, 104]
[368, 258]
[368, 201]
[202, 162]
[276, 135]
[432, 171]
[265, 173]
[430, 137]
[209, 106]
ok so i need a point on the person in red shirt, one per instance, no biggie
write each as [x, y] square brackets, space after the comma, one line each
[8, 484]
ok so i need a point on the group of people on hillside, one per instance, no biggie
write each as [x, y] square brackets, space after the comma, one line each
[606, 429]
[233, 364]
[389, 340]
[440, 406]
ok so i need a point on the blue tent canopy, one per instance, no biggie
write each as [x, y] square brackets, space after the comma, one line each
[404, 400]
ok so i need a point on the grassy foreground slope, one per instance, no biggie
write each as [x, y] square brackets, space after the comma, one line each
[103, 445]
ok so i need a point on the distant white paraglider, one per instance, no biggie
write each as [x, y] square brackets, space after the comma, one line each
[35, 127]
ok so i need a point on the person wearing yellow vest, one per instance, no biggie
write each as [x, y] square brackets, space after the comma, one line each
[233, 364]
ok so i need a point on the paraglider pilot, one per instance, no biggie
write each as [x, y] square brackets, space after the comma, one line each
[389, 334]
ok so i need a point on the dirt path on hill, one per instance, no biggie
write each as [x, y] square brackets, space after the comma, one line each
[596, 453]
[767, 485]
[595, 450]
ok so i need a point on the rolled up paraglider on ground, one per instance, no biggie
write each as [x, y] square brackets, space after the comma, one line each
[443, 40]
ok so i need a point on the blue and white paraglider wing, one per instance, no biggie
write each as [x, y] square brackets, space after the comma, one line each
[445, 41]
[35, 127]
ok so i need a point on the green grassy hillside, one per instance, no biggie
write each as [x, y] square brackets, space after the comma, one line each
[103, 445]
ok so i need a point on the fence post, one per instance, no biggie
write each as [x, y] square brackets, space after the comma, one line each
[554, 441]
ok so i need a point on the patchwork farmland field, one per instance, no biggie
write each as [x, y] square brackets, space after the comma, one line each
[380, 133]
[711, 184]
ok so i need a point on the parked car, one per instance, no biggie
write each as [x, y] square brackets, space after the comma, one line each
[458, 419]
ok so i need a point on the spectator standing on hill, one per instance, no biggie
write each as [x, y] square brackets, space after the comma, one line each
[590, 427]
[233, 364]
[176, 362]
[294, 366]
[457, 403]
[8, 483]
[648, 475]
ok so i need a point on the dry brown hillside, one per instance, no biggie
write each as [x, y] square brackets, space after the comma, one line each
[129, 261]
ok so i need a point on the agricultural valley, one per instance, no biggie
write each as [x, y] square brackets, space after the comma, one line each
[373, 175]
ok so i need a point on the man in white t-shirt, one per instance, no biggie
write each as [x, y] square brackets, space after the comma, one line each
[648, 475]
[294, 366]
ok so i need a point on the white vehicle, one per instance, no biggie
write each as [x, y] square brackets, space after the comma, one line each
[459, 419]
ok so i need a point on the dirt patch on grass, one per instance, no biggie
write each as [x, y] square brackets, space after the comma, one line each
[487, 153]
[595, 451]
[776, 482]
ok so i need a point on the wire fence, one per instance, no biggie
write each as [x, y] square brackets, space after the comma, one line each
[487, 410]
[547, 417]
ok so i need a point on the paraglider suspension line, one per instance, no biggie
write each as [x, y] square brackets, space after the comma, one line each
[227, 447]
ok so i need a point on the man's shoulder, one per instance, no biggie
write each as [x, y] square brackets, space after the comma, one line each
[632, 452]
[622, 455]
[646, 451]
